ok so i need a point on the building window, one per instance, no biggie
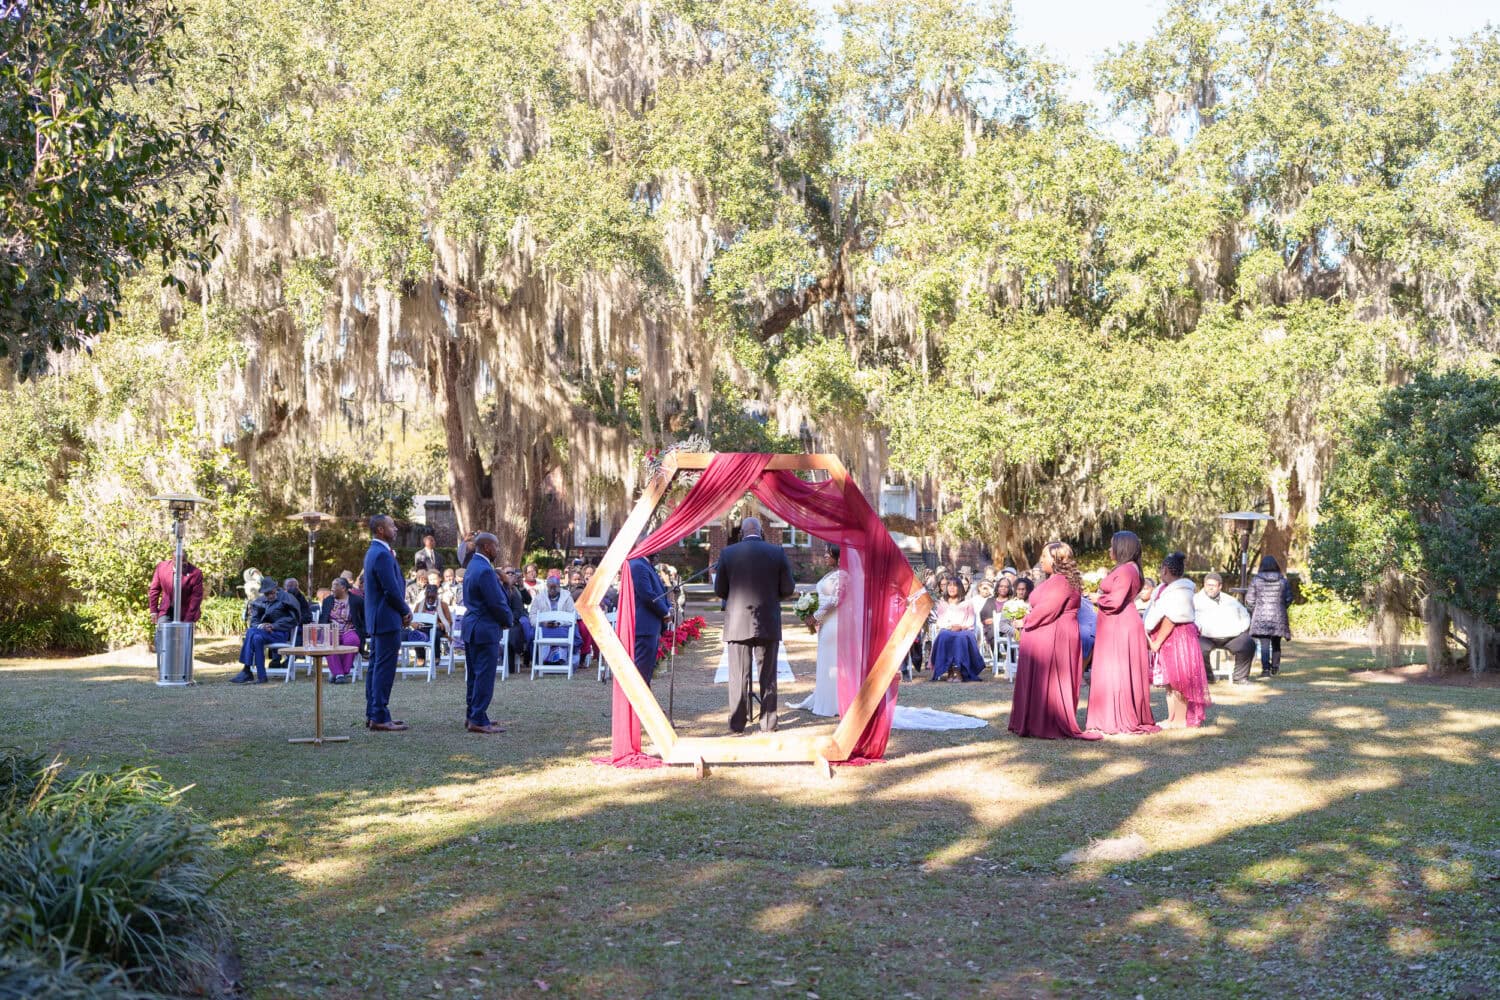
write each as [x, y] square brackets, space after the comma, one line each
[697, 539]
[591, 526]
[795, 538]
[898, 499]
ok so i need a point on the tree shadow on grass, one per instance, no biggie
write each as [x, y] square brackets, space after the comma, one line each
[1323, 837]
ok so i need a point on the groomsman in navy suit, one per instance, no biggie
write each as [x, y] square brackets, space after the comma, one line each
[653, 609]
[487, 614]
[386, 615]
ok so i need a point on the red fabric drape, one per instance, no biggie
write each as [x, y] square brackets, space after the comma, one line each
[880, 579]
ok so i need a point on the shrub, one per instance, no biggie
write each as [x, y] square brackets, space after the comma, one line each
[105, 868]
[280, 550]
[48, 631]
[222, 616]
[27, 975]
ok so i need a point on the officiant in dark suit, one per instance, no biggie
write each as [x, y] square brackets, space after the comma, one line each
[754, 577]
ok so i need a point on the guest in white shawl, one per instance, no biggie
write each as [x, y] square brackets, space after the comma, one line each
[831, 589]
[553, 597]
[955, 648]
[1170, 632]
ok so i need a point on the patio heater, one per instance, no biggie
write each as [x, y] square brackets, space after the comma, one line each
[1242, 523]
[311, 520]
[174, 639]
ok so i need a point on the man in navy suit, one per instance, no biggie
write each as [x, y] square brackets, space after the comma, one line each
[653, 609]
[386, 614]
[487, 614]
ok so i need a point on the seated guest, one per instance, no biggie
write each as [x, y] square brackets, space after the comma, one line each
[292, 587]
[529, 580]
[1143, 599]
[1223, 623]
[415, 585]
[1024, 587]
[346, 613]
[955, 648]
[984, 610]
[273, 616]
[428, 559]
[159, 594]
[552, 598]
[431, 603]
[449, 590]
[575, 584]
[1088, 624]
[521, 631]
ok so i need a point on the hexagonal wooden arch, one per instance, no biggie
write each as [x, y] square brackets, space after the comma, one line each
[810, 746]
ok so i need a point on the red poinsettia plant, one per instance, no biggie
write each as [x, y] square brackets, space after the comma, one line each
[683, 634]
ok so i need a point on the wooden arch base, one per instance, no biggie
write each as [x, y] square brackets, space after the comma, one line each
[819, 747]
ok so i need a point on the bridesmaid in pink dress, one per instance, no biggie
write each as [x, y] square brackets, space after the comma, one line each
[1045, 703]
[1120, 684]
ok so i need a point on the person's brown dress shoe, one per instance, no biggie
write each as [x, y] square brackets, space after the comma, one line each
[393, 726]
[490, 729]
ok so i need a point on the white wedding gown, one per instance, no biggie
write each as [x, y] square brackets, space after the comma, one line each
[825, 697]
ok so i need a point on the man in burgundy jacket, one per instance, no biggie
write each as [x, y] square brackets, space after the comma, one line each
[160, 594]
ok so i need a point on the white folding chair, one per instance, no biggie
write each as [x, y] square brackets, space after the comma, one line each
[612, 617]
[288, 668]
[1221, 662]
[1007, 652]
[406, 659]
[541, 643]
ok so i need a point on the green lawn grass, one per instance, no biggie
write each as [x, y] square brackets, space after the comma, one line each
[1324, 836]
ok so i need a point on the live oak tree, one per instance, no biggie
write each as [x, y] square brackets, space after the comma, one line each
[103, 164]
[1411, 513]
[561, 233]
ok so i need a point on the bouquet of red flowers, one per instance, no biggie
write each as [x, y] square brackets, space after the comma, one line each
[676, 638]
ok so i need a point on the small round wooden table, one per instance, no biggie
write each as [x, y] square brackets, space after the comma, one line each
[316, 654]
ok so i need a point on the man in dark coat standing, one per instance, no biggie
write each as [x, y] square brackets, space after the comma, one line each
[486, 616]
[754, 577]
[386, 614]
[653, 610]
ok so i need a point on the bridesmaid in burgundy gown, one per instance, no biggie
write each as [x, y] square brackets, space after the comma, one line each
[1045, 703]
[1120, 684]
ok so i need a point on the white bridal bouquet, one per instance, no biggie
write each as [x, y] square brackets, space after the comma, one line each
[806, 605]
[1015, 609]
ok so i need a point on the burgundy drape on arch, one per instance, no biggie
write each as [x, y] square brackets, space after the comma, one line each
[879, 575]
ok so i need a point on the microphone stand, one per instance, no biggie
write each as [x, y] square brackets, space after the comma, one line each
[676, 590]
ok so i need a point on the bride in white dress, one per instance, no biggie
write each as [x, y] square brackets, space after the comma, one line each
[825, 697]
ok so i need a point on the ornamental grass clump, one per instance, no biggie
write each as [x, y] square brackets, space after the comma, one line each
[107, 870]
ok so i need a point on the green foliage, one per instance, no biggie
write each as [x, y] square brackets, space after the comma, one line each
[27, 975]
[222, 616]
[1417, 490]
[279, 549]
[110, 500]
[106, 869]
[357, 488]
[104, 166]
[49, 630]
[31, 577]
[1321, 612]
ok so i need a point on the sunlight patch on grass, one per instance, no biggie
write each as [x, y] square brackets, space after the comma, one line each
[782, 918]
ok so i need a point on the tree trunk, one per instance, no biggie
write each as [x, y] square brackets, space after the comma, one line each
[464, 467]
[1390, 614]
[1435, 622]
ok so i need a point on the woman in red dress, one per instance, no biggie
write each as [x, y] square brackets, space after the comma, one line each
[1045, 703]
[1120, 683]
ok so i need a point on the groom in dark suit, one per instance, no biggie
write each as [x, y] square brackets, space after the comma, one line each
[487, 614]
[754, 577]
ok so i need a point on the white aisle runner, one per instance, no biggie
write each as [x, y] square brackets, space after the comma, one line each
[783, 666]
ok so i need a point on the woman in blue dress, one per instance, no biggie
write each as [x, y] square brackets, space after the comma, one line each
[956, 649]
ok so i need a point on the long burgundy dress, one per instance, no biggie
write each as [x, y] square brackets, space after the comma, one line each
[1045, 703]
[1120, 684]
